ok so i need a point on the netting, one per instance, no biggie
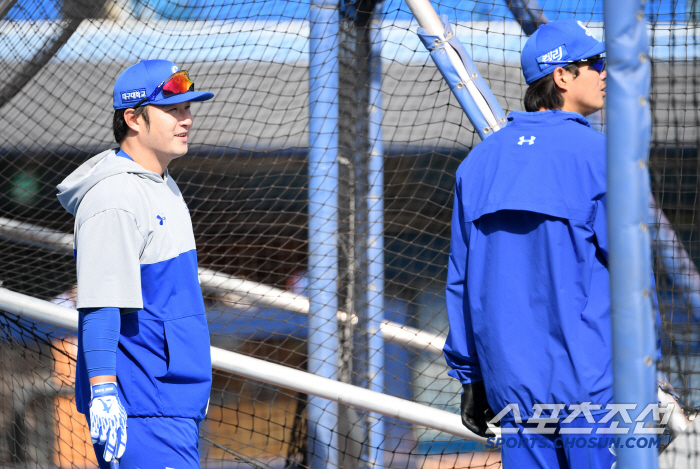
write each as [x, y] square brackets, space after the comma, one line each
[246, 181]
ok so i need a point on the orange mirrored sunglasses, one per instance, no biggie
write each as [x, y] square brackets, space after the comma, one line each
[177, 83]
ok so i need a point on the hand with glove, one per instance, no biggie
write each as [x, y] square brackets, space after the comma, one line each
[107, 420]
[476, 411]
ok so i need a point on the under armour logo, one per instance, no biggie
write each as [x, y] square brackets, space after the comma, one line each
[522, 140]
[162, 219]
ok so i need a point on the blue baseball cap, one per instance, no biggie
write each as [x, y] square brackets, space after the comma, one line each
[556, 43]
[138, 82]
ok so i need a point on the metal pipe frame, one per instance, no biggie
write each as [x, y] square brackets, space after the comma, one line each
[42, 311]
[322, 273]
[375, 244]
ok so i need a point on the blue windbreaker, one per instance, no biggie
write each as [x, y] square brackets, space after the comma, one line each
[528, 294]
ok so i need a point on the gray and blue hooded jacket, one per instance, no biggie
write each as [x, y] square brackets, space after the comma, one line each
[135, 250]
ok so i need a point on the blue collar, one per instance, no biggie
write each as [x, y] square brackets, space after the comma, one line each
[526, 119]
[123, 154]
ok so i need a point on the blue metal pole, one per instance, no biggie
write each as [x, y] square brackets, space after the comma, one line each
[528, 13]
[323, 341]
[375, 243]
[629, 133]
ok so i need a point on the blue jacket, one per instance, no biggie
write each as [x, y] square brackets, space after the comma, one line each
[528, 294]
[135, 251]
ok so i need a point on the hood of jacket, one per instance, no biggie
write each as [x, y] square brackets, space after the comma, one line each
[539, 118]
[106, 164]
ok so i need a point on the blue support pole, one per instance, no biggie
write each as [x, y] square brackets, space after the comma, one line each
[375, 243]
[323, 341]
[629, 133]
[528, 13]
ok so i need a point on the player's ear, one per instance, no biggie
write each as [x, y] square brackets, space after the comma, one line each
[132, 120]
[562, 78]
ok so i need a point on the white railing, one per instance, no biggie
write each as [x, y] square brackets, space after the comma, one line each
[229, 288]
[260, 370]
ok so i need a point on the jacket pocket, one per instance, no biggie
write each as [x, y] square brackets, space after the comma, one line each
[187, 350]
[185, 387]
[141, 357]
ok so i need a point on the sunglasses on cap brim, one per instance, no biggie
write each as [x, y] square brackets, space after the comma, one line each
[596, 64]
[177, 83]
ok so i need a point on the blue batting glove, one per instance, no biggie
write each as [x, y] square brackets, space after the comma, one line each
[107, 420]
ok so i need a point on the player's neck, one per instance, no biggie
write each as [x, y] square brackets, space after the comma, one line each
[571, 107]
[144, 156]
[583, 108]
[577, 109]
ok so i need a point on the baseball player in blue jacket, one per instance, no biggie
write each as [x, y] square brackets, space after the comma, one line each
[528, 287]
[143, 342]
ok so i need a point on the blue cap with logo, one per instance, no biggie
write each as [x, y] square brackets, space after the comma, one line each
[137, 83]
[554, 45]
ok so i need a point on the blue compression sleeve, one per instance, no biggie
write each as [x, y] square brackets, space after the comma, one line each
[100, 340]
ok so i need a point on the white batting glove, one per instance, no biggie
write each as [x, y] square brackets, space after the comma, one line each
[107, 420]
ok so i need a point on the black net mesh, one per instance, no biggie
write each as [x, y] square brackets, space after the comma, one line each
[245, 180]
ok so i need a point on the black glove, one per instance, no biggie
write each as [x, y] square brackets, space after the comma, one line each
[476, 411]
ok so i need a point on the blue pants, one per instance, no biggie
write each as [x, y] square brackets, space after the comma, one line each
[558, 451]
[157, 443]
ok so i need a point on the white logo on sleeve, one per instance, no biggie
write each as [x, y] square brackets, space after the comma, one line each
[522, 140]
